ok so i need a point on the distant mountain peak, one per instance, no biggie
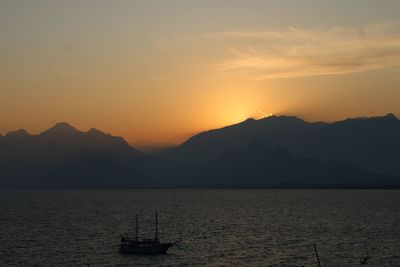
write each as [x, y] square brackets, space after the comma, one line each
[289, 117]
[61, 128]
[282, 118]
[17, 133]
[249, 120]
[63, 125]
[391, 116]
[245, 122]
[94, 131]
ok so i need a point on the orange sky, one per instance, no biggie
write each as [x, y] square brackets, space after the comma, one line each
[164, 70]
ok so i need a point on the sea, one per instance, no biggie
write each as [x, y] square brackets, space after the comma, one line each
[217, 227]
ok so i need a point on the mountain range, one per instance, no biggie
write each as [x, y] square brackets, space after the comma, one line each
[276, 151]
[371, 143]
[63, 157]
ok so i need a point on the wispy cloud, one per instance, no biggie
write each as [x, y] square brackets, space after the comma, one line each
[322, 51]
[307, 52]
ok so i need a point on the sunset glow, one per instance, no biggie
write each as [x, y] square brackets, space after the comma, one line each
[164, 70]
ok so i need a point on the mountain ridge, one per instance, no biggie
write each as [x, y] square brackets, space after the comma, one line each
[359, 137]
[275, 151]
[40, 160]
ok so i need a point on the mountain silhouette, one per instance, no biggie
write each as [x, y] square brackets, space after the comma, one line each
[277, 132]
[276, 151]
[17, 134]
[60, 129]
[61, 151]
[370, 143]
[94, 169]
[260, 166]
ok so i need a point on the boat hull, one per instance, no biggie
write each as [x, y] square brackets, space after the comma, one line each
[139, 249]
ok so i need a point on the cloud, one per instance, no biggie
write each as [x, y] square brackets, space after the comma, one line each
[306, 52]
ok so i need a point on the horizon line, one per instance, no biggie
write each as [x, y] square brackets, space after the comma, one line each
[205, 130]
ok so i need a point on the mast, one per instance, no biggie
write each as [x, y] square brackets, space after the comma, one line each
[137, 228]
[156, 226]
[316, 254]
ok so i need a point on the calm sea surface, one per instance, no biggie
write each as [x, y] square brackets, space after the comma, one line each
[218, 227]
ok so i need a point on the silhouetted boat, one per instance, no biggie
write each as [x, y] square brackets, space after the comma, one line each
[144, 246]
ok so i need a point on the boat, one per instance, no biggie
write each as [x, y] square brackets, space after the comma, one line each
[144, 246]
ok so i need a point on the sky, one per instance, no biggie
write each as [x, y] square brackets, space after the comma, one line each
[165, 70]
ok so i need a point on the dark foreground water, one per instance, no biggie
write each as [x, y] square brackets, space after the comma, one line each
[218, 227]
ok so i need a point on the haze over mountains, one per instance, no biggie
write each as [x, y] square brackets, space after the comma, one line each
[151, 147]
[276, 151]
[371, 143]
[63, 156]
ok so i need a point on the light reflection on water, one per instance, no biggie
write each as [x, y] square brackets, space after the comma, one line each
[218, 227]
